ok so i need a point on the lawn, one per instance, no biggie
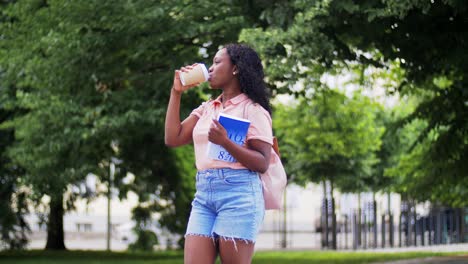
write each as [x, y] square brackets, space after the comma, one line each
[172, 257]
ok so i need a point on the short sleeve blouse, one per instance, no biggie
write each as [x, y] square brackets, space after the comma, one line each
[240, 106]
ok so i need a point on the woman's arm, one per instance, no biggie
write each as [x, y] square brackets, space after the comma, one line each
[178, 133]
[256, 157]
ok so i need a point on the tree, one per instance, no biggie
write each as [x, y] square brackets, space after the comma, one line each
[426, 38]
[13, 200]
[94, 79]
[332, 138]
[146, 238]
[413, 179]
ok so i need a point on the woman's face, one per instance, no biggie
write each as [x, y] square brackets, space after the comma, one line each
[221, 72]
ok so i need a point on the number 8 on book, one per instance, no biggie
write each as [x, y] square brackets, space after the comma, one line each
[237, 132]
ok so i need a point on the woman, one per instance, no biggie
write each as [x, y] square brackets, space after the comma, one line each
[228, 208]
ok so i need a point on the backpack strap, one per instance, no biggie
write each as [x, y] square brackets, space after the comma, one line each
[275, 140]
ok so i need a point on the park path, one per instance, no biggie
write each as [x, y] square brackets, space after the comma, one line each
[431, 260]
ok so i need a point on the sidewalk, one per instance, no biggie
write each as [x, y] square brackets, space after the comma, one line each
[433, 260]
[462, 259]
[462, 247]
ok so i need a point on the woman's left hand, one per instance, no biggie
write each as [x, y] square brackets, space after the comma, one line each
[217, 133]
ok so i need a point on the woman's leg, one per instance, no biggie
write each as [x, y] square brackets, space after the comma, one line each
[200, 247]
[240, 215]
[235, 251]
[199, 250]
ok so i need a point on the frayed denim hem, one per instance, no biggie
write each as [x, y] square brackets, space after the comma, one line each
[235, 240]
[216, 237]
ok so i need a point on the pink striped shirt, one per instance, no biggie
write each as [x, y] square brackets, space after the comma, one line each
[241, 106]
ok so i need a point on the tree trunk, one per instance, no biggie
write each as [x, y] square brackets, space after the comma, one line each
[374, 216]
[415, 221]
[462, 225]
[284, 239]
[333, 215]
[390, 221]
[359, 220]
[325, 217]
[55, 234]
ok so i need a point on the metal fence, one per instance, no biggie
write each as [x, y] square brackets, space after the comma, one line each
[364, 229]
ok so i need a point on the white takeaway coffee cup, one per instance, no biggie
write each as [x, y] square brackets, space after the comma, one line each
[197, 74]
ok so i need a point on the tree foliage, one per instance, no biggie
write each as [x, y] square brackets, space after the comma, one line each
[93, 79]
[88, 83]
[13, 201]
[426, 38]
[331, 137]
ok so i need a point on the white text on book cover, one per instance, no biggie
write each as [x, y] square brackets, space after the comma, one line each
[237, 132]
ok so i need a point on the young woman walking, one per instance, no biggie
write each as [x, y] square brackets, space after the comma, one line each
[228, 208]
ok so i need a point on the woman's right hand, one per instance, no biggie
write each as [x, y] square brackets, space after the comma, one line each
[177, 84]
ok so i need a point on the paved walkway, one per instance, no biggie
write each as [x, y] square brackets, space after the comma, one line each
[461, 247]
[432, 260]
[462, 259]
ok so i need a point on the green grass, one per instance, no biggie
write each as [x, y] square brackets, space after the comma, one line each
[172, 257]
[89, 257]
[312, 257]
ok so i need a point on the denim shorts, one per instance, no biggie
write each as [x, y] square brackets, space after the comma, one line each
[228, 203]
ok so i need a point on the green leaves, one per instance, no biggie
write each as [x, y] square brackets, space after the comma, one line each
[80, 76]
[85, 76]
[416, 47]
[331, 137]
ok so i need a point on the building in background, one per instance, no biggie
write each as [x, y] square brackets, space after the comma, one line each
[298, 226]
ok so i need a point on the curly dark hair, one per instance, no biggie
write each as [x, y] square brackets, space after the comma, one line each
[250, 73]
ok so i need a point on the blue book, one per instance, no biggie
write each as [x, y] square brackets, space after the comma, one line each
[237, 132]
